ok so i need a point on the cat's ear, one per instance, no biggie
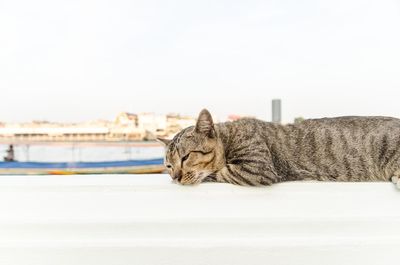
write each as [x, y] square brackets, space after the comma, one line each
[163, 141]
[205, 124]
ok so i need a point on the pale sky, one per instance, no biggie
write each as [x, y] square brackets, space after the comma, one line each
[78, 60]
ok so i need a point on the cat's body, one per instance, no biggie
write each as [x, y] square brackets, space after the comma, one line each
[254, 152]
[340, 149]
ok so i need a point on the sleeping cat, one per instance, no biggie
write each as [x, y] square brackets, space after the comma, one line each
[253, 152]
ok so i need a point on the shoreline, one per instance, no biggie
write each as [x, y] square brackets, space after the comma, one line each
[83, 143]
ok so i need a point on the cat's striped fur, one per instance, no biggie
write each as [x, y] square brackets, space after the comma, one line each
[253, 152]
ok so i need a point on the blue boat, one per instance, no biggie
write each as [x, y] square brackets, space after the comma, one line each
[106, 167]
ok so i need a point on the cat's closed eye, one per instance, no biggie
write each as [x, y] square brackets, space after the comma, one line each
[185, 157]
[203, 152]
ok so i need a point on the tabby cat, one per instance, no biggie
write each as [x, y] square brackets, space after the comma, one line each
[253, 152]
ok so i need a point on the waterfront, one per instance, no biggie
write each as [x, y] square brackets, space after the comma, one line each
[126, 127]
[84, 152]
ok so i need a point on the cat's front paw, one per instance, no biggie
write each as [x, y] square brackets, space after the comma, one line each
[210, 178]
[396, 181]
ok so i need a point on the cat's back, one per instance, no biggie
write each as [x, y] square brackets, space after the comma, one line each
[354, 127]
[351, 126]
[352, 121]
[356, 124]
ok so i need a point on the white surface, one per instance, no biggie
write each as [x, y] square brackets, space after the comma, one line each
[145, 219]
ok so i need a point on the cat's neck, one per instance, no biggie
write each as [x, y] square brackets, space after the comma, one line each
[238, 135]
[226, 133]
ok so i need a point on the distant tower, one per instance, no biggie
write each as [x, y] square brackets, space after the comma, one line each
[276, 111]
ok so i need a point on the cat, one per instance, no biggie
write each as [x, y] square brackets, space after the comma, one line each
[252, 152]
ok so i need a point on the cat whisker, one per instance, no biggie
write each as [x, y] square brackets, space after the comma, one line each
[188, 178]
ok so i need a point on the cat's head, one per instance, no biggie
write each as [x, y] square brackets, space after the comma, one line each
[194, 153]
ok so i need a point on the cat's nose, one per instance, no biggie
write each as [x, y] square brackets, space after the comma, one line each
[178, 175]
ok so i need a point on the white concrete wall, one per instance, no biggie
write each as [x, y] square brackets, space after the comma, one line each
[145, 219]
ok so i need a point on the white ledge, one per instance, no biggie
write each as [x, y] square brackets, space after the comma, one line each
[145, 219]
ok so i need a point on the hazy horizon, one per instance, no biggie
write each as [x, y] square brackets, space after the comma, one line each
[72, 61]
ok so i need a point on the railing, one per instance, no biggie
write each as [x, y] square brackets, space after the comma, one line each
[145, 219]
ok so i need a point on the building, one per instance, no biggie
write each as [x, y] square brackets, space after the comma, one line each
[125, 118]
[152, 123]
[126, 127]
[176, 123]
